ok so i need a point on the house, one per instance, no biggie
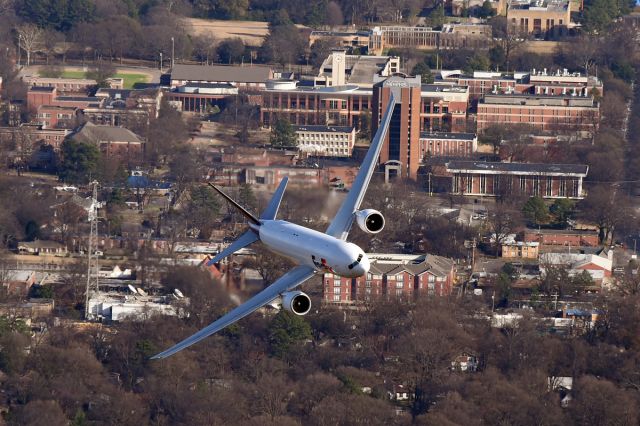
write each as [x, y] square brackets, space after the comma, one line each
[113, 142]
[599, 267]
[19, 282]
[520, 249]
[465, 363]
[42, 247]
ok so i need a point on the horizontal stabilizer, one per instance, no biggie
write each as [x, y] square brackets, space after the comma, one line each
[272, 209]
[244, 240]
[244, 211]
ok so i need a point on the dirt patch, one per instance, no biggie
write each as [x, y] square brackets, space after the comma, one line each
[252, 33]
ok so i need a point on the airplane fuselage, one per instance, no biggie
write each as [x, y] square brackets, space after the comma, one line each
[320, 251]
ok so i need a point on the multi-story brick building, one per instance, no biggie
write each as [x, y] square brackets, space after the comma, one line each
[326, 141]
[57, 117]
[34, 134]
[479, 178]
[440, 144]
[536, 82]
[393, 276]
[544, 112]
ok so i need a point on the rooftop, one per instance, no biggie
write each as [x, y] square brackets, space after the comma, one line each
[328, 129]
[451, 136]
[239, 74]
[92, 133]
[46, 89]
[519, 168]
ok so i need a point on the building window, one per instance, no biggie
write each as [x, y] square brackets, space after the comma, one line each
[563, 188]
[336, 290]
[549, 186]
[336, 297]
[523, 184]
[469, 184]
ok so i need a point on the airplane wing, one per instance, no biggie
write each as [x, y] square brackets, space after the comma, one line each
[287, 282]
[243, 241]
[341, 223]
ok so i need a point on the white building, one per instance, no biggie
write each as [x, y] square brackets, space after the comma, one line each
[326, 141]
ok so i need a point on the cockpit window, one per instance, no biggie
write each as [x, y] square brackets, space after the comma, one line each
[356, 262]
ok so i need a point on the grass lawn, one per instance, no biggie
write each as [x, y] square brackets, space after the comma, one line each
[130, 79]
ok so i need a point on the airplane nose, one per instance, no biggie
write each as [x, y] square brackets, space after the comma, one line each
[363, 267]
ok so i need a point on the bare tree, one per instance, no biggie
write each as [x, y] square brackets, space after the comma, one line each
[31, 38]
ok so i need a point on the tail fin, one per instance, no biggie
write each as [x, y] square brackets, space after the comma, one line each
[272, 209]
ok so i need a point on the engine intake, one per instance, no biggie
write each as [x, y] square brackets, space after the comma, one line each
[370, 221]
[297, 302]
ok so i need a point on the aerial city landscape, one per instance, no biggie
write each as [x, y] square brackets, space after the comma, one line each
[344, 212]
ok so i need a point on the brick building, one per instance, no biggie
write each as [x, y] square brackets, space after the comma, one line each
[440, 144]
[544, 112]
[479, 178]
[56, 117]
[113, 142]
[401, 148]
[35, 134]
[536, 82]
[562, 237]
[393, 276]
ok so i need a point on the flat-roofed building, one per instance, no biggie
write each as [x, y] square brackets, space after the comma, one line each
[326, 141]
[544, 112]
[57, 117]
[481, 178]
[442, 144]
[542, 18]
[340, 69]
[242, 77]
[520, 250]
[535, 82]
[346, 39]
[198, 97]
[451, 36]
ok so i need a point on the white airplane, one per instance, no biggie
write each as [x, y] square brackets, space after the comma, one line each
[313, 251]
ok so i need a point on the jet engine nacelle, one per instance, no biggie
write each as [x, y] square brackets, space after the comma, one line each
[297, 302]
[370, 221]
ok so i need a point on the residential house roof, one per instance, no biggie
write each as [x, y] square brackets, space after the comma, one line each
[92, 133]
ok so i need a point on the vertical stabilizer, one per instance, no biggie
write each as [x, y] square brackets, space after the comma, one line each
[272, 209]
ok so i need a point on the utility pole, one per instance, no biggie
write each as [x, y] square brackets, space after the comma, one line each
[92, 260]
[173, 52]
